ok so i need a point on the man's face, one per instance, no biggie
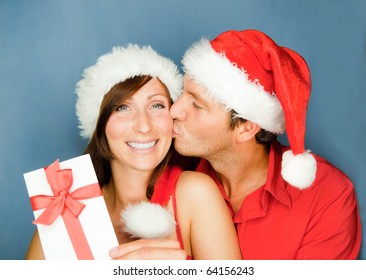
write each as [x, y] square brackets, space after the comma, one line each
[201, 126]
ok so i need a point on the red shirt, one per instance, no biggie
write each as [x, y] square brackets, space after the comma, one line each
[279, 221]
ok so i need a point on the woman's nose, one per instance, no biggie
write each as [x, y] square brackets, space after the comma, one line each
[142, 123]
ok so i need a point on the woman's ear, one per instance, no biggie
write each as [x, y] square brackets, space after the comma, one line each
[246, 131]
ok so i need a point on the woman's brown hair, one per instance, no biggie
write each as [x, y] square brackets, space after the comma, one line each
[98, 147]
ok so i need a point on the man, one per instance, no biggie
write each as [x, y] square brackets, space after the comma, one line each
[240, 91]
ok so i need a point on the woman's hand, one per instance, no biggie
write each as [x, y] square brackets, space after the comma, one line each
[149, 249]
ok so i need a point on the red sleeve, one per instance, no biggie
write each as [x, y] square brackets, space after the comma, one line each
[334, 232]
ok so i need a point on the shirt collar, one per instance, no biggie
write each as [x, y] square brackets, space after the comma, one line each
[275, 187]
[275, 184]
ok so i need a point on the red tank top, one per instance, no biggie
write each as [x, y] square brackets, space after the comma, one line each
[164, 190]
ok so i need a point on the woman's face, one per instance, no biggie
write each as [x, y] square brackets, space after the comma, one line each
[139, 131]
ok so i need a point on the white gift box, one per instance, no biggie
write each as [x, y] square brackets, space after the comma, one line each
[94, 222]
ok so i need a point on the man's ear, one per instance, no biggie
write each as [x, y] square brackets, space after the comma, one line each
[246, 131]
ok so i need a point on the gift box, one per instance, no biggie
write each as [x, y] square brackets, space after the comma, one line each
[70, 211]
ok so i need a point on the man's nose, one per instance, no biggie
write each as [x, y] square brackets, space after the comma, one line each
[177, 111]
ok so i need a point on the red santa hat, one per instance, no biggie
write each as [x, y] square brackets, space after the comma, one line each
[115, 67]
[263, 82]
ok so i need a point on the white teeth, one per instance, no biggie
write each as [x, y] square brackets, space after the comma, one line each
[141, 146]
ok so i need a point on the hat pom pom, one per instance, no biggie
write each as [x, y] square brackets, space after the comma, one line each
[298, 170]
[147, 220]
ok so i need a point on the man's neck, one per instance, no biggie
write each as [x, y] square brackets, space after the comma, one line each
[242, 172]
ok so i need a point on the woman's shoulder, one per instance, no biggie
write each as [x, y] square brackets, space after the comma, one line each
[194, 178]
[193, 183]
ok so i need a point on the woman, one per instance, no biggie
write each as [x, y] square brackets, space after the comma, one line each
[123, 108]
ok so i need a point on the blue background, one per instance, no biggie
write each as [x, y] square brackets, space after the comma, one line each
[45, 45]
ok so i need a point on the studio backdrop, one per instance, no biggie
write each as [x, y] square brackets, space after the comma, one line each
[45, 45]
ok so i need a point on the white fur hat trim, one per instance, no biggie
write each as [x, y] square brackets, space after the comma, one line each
[299, 170]
[115, 67]
[231, 86]
[148, 220]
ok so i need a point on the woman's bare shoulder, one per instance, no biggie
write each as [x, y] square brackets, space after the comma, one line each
[192, 183]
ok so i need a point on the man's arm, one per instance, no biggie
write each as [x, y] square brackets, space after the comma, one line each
[335, 230]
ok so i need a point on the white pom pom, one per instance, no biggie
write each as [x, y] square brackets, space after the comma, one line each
[299, 170]
[148, 220]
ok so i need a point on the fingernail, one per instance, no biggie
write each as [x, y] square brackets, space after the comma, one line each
[113, 252]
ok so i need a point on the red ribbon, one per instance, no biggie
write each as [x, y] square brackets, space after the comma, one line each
[65, 203]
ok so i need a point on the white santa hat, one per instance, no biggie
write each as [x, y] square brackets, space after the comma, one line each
[263, 82]
[112, 68]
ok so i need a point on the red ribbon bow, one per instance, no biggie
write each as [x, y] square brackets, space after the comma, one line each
[65, 203]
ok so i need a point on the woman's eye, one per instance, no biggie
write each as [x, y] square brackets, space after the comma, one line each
[158, 106]
[122, 107]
